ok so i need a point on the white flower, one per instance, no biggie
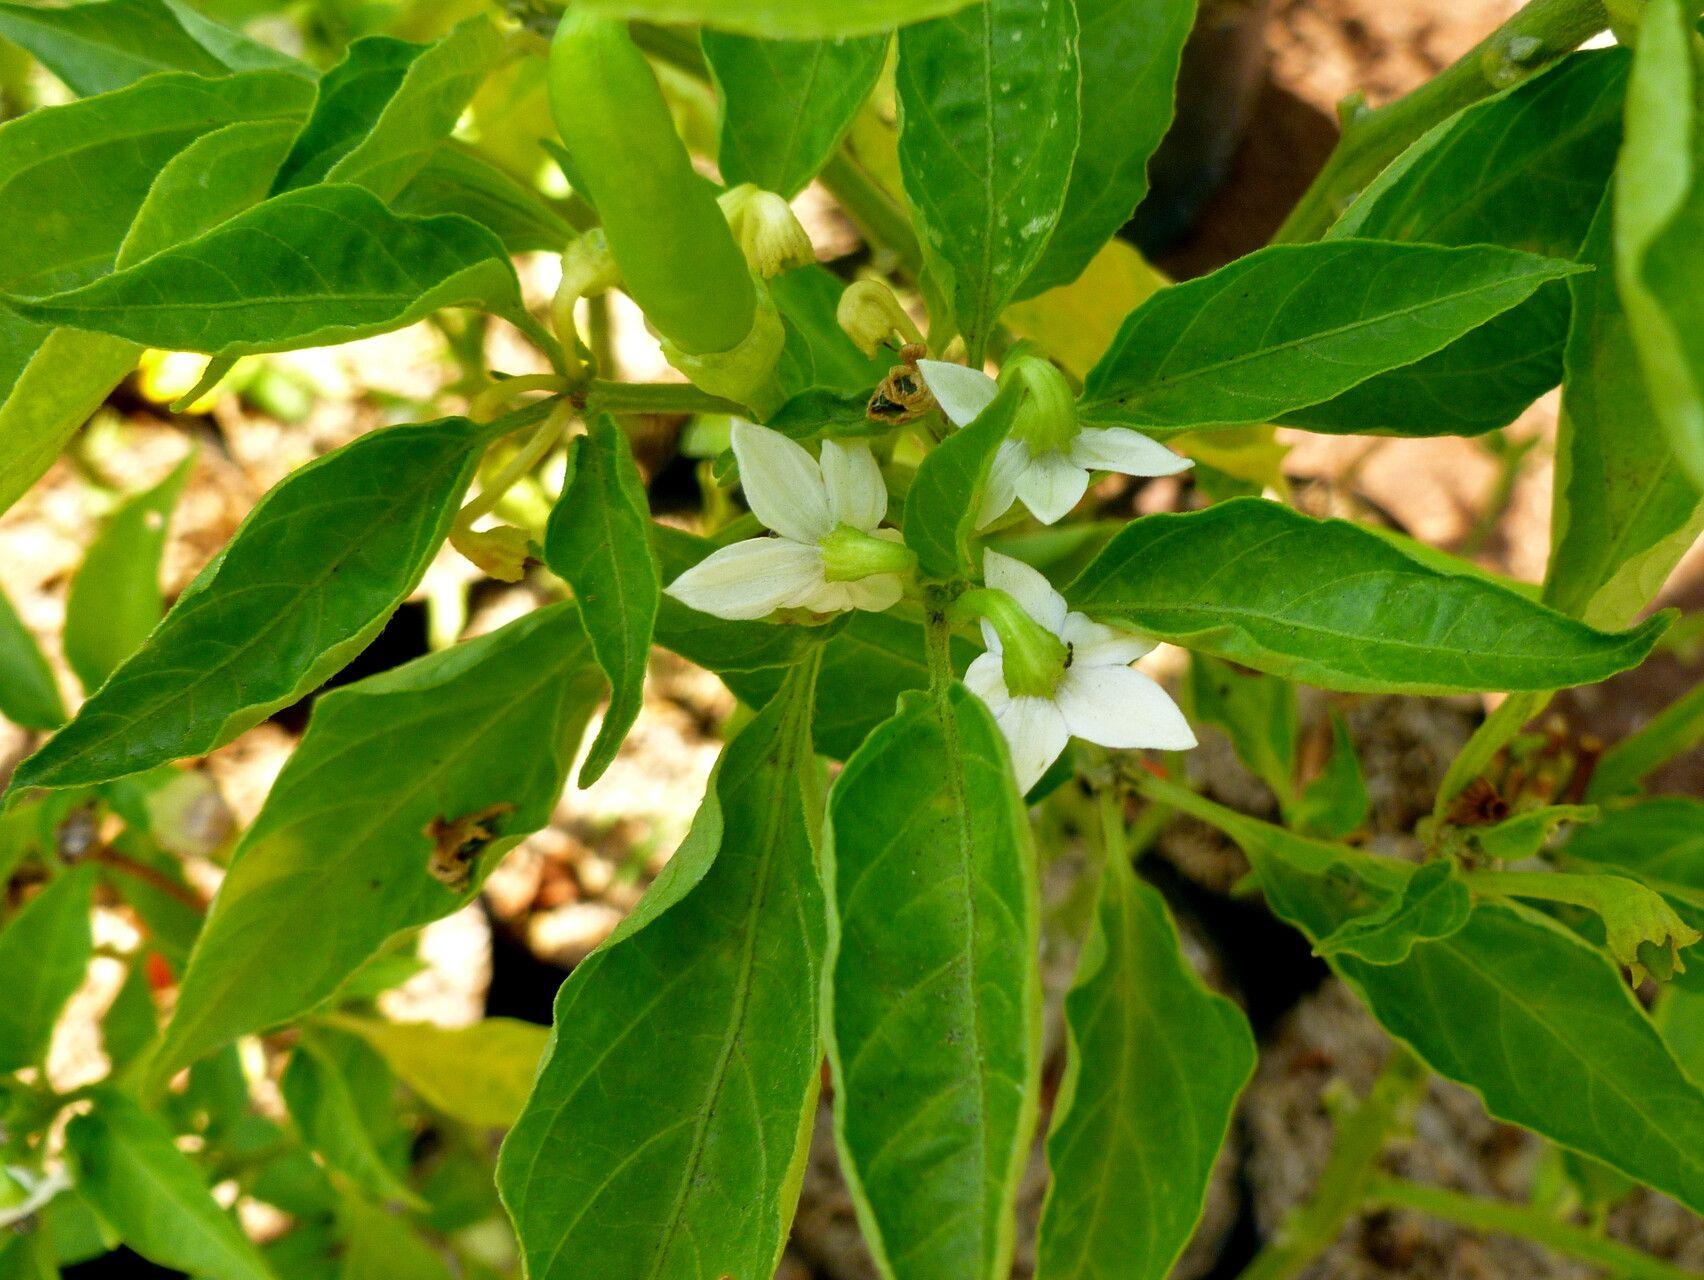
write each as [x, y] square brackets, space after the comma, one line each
[838, 502]
[1097, 696]
[1053, 481]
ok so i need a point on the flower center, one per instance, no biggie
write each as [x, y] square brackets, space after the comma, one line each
[1032, 658]
[849, 554]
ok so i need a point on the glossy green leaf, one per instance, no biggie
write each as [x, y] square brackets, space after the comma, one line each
[1129, 51]
[65, 376]
[666, 1133]
[782, 19]
[330, 1118]
[1327, 603]
[44, 951]
[29, 695]
[599, 541]
[1532, 1018]
[428, 100]
[945, 497]
[480, 1074]
[1625, 510]
[321, 265]
[1659, 217]
[988, 121]
[1433, 904]
[1525, 170]
[306, 581]
[130, 1170]
[115, 599]
[1156, 1064]
[1658, 841]
[457, 181]
[786, 103]
[935, 1002]
[406, 789]
[1293, 325]
[97, 48]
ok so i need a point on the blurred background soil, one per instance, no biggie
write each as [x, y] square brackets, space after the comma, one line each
[562, 891]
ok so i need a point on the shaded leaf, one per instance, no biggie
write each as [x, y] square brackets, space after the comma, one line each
[29, 695]
[1257, 712]
[987, 129]
[1156, 1064]
[480, 1074]
[331, 1119]
[349, 98]
[406, 789]
[945, 497]
[1129, 51]
[824, 359]
[1433, 904]
[1336, 801]
[1293, 325]
[782, 19]
[667, 1129]
[934, 995]
[786, 103]
[456, 181]
[1328, 603]
[306, 581]
[599, 541]
[130, 1170]
[115, 599]
[44, 951]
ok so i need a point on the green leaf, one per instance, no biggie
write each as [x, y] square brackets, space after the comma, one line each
[1625, 510]
[419, 115]
[480, 1074]
[782, 19]
[935, 994]
[1433, 904]
[1336, 801]
[348, 102]
[97, 48]
[1525, 170]
[130, 1170]
[456, 181]
[988, 122]
[1658, 841]
[132, 1020]
[44, 951]
[787, 103]
[599, 541]
[332, 1120]
[1129, 51]
[824, 358]
[382, 1246]
[1512, 1005]
[667, 1131]
[1293, 325]
[406, 789]
[65, 376]
[115, 598]
[1525, 834]
[1256, 712]
[1659, 216]
[1675, 729]
[307, 580]
[1156, 1064]
[945, 498]
[1330, 604]
[29, 695]
[322, 265]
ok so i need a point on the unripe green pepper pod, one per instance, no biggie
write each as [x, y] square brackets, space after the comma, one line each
[677, 257]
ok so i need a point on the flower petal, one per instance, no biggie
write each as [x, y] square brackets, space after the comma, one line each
[750, 579]
[962, 393]
[1094, 645]
[1027, 586]
[1130, 452]
[1036, 733]
[1119, 707]
[1051, 485]
[986, 678]
[856, 493]
[1010, 461]
[783, 486]
[877, 593]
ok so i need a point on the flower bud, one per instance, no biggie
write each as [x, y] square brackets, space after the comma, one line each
[849, 555]
[872, 316]
[1046, 417]
[767, 230]
[1032, 658]
[501, 551]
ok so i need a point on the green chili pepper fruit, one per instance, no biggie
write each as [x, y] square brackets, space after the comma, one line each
[745, 374]
[677, 257]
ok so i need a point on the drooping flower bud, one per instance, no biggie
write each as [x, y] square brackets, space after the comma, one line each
[501, 551]
[767, 229]
[1046, 417]
[872, 317]
[1032, 658]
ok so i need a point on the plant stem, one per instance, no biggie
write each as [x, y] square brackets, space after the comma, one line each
[1494, 733]
[938, 644]
[1535, 37]
[872, 210]
[1516, 1220]
[1361, 1136]
[655, 397]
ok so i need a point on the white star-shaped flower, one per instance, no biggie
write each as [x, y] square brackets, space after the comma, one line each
[830, 508]
[1053, 481]
[1097, 696]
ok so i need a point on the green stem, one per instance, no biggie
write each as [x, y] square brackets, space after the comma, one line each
[1499, 1218]
[655, 397]
[1540, 34]
[875, 213]
[1313, 1226]
[1494, 733]
[938, 645]
[1679, 727]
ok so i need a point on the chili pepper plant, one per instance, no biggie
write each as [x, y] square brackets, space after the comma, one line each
[913, 557]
